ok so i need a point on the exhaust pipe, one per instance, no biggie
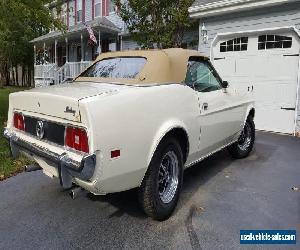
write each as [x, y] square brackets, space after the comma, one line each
[32, 168]
[74, 193]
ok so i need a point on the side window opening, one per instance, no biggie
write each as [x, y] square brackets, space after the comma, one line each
[201, 76]
[236, 44]
[274, 42]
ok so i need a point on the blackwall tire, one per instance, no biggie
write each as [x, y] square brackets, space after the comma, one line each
[243, 147]
[161, 186]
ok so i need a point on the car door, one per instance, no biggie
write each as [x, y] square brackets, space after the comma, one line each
[220, 113]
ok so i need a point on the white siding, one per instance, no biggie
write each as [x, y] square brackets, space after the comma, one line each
[268, 18]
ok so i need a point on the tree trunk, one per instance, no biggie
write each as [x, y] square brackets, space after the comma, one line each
[17, 75]
[7, 75]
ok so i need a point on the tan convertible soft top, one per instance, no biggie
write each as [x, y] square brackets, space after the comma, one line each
[163, 66]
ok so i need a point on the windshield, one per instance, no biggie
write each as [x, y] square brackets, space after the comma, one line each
[116, 67]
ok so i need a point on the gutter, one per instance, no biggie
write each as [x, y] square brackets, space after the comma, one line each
[229, 6]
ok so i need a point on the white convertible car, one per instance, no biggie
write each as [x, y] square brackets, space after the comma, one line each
[134, 119]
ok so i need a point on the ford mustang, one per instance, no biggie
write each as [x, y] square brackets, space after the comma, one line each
[133, 119]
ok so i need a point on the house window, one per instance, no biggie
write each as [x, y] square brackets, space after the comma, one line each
[111, 6]
[98, 8]
[274, 42]
[236, 44]
[63, 14]
[79, 11]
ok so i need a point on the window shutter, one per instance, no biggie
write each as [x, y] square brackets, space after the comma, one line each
[68, 14]
[75, 12]
[83, 10]
[93, 9]
[103, 8]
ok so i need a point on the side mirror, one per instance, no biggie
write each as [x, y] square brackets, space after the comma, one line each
[225, 84]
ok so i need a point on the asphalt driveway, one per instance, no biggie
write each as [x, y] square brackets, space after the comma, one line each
[220, 197]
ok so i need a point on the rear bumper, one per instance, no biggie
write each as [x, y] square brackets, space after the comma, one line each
[67, 166]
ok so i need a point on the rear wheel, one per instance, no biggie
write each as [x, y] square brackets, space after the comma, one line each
[243, 147]
[159, 192]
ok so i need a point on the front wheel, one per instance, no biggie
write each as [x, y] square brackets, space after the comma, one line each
[159, 192]
[243, 147]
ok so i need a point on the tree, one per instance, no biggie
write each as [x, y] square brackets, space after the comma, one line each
[20, 22]
[156, 22]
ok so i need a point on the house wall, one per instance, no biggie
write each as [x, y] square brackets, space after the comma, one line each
[287, 15]
[281, 16]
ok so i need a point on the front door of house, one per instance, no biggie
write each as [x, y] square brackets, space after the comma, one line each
[105, 45]
[61, 56]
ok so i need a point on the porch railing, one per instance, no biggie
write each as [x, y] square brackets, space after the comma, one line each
[51, 74]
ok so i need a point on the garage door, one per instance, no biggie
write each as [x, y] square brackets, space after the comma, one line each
[266, 65]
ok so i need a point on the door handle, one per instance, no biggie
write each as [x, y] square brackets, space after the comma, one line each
[291, 109]
[205, 106]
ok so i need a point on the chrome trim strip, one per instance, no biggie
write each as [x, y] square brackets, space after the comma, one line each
[209, 154]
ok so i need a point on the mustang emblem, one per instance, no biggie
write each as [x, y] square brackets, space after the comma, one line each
[70, 110]
[40, 129]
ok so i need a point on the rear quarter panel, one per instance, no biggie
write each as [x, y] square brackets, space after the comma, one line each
[134, 121]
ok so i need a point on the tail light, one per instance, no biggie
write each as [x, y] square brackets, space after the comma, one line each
[76, 138]
[19, 121]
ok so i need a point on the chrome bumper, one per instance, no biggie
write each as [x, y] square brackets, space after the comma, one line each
[68, 167]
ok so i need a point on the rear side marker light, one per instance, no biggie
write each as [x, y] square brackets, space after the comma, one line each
[115, 154]
[19, 121]
[76, 138]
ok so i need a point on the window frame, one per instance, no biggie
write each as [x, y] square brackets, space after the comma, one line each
[110, 2]
[215, 73]
[235, 42]
[264, 39]
[79, 3]
[64, 14]
[99, 9]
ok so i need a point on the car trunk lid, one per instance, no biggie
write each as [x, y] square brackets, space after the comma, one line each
[61, 101]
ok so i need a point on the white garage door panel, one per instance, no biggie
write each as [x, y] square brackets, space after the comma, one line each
[273, 73]
[280, 123]
[225, 69]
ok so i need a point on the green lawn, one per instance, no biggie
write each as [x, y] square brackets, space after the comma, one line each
[8, 166]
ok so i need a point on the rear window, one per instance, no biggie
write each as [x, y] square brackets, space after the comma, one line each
[116, 67]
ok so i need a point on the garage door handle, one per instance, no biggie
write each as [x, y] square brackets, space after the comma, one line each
[219, 58]
[291, 55]
[291, 109]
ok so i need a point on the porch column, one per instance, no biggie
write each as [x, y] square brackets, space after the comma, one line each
[99, 45]
[121, 43]
[34, 56]
[82, 48]
[67, 50]
[55, 52]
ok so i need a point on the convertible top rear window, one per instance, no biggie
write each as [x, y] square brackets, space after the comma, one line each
[116, 67]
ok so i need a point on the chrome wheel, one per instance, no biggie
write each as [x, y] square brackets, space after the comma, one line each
[168, 177]
[244, 141]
